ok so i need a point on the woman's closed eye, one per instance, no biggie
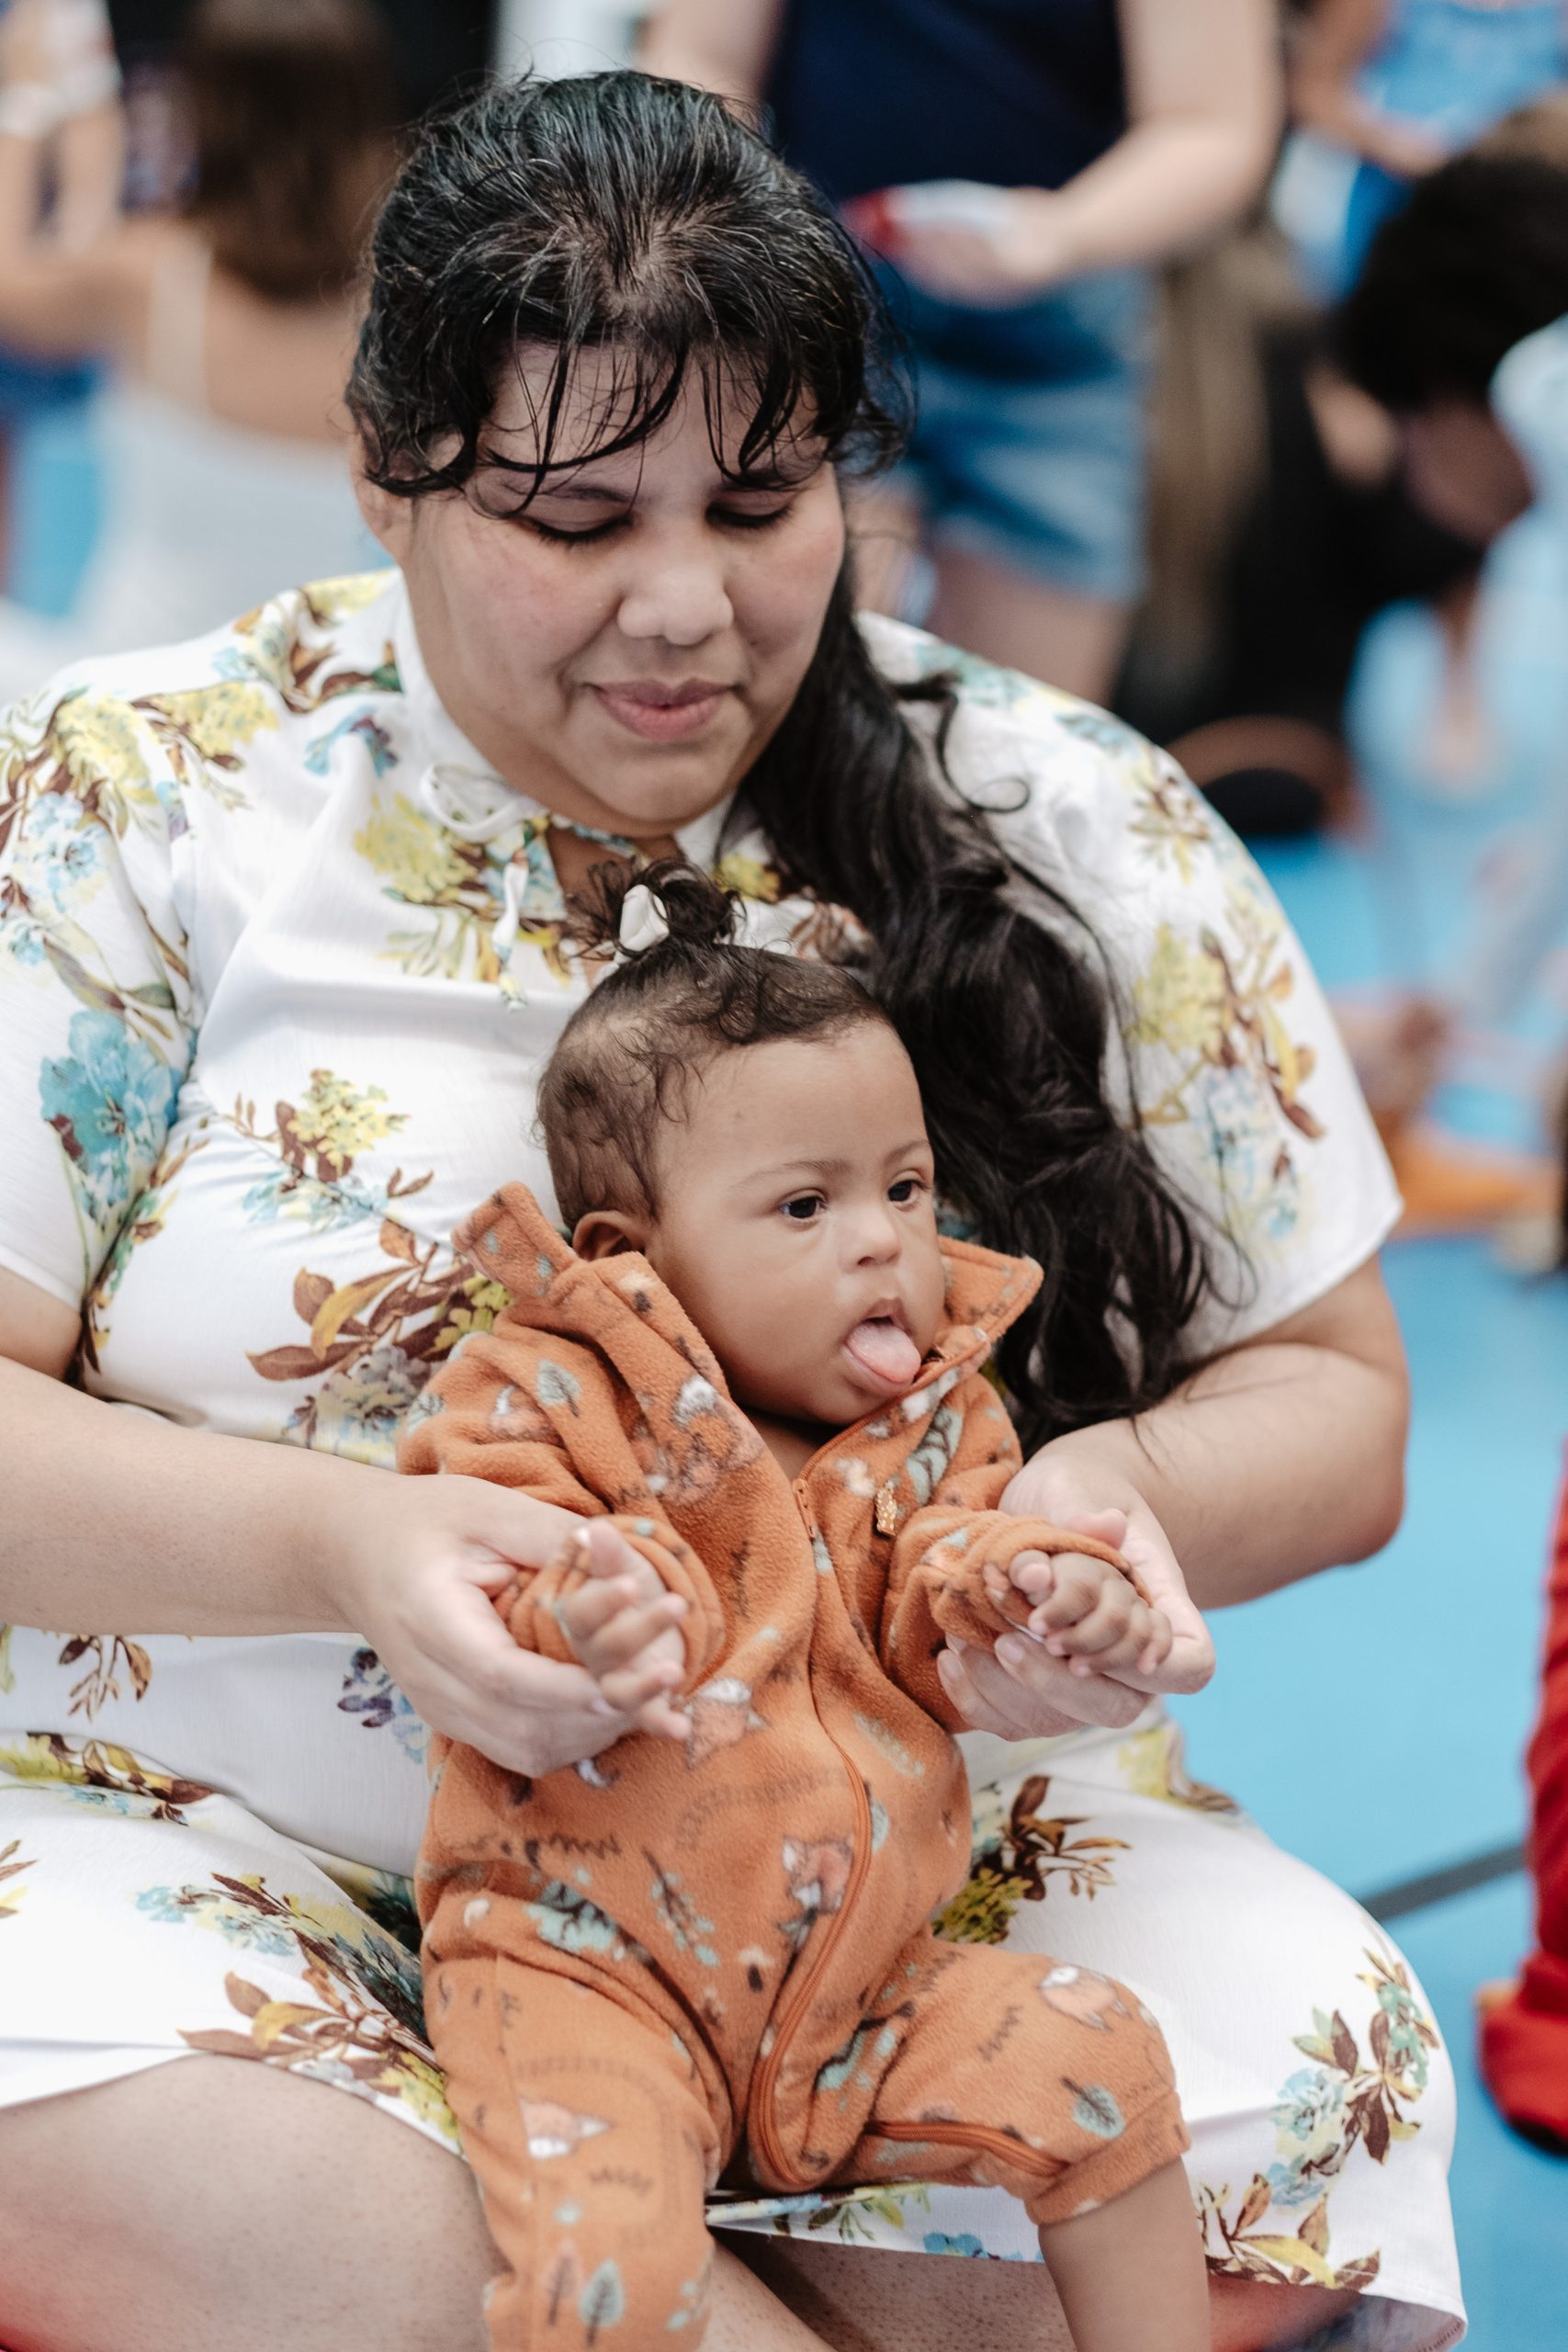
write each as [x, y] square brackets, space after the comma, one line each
[738, 518]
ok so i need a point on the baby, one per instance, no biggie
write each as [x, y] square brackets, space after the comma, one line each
[708, 1953]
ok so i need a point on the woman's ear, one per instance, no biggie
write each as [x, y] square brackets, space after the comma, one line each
[386, 519]
[606, 1233]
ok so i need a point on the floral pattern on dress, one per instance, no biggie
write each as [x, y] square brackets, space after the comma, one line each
[363, 2027]
[256, 1214]
[95, 1772]
[1340, 2102]
[1016, 1859]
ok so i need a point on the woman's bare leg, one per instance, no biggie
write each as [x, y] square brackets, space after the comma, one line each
[857, 2300]
[1069, 640]
[213, 2205]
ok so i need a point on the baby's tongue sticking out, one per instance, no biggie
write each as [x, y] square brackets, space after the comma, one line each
[885, 1351]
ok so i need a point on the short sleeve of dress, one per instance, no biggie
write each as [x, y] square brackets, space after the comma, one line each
[1224, 1038]
[95, 1014]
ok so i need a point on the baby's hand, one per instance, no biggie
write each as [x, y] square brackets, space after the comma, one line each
[1085, 1610]
[625, 1629]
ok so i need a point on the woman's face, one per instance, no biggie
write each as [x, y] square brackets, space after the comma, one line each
[622, 647]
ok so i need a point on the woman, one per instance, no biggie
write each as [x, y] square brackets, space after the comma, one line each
[223, 435]
[1106, 134]
[282, 912]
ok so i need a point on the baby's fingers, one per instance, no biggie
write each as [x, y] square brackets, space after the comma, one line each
[1157, 1649]
[644, 1690]
[1032, 1574]
[1077, 1584]
[630, 1631]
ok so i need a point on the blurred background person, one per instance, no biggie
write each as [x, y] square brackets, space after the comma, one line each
[80, 75]
[1459, 327]
[228, 322]
[1024, 167]
[1383, 91]
[1279, 526]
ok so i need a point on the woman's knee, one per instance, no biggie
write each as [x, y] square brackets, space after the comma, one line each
[215, 2206]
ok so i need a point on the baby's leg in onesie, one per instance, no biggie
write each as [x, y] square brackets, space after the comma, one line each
[1054, 2083]
[590, 2138]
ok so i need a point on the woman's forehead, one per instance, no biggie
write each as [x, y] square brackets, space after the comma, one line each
[600, 417]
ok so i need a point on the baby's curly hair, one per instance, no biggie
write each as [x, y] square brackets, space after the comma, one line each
[627, 1056]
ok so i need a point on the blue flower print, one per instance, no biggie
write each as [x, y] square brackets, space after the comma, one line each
[938, 2242]
[374, 738]
[369, 1692]
[61, 853]
[109, 1101]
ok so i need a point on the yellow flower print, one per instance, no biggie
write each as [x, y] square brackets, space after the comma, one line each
[421, 2086]
[99, 735]
[416, 860]
[216, 720]
[1171, 819]
[336, 600]
[337, 1120]
[748, 876]
[1152, 1764]
[1179, 1000]
[12, 1865]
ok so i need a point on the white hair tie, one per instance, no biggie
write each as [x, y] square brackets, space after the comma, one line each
[642, 923]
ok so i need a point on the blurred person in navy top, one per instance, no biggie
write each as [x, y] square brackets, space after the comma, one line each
[1019, 167]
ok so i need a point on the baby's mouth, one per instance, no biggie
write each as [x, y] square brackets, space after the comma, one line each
[882, 1346]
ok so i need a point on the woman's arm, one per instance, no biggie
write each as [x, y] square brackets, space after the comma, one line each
[67, 285]
[1204, 93]
[1282, 1457]
[1330, 48]
[723, 45]
[117, 1521]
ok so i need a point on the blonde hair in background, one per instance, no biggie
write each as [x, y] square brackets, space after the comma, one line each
[1208, 430]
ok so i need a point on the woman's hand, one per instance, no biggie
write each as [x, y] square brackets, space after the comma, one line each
[1022, 1691]
[417, 1568]
[991, 248]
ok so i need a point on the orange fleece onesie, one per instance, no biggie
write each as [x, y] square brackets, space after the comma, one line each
[684, 1961]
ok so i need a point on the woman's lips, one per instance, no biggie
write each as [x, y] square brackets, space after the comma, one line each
[662, 714]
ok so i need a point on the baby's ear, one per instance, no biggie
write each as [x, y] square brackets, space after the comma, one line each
[607, 1233]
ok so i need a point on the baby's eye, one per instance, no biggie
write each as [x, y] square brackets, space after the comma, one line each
[803, 1207]
[906, 1189]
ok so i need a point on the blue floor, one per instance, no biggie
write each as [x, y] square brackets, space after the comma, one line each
[1373, 1720]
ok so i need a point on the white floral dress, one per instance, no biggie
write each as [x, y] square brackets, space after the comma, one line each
[278, 963]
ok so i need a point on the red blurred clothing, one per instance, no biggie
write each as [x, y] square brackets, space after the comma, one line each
[1524, 2038]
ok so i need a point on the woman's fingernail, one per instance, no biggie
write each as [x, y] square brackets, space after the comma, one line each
[1011, 1650]
[601, 1707]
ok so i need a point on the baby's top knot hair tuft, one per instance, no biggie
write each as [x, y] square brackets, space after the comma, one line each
[670, 903]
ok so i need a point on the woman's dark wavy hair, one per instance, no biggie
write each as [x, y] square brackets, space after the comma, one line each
[641, 219]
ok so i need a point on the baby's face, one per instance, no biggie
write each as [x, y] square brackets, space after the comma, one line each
[798, 1227]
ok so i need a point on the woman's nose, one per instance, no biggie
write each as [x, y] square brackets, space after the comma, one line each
[677, 591]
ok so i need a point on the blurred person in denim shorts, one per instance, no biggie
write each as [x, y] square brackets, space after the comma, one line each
[1016, 169]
